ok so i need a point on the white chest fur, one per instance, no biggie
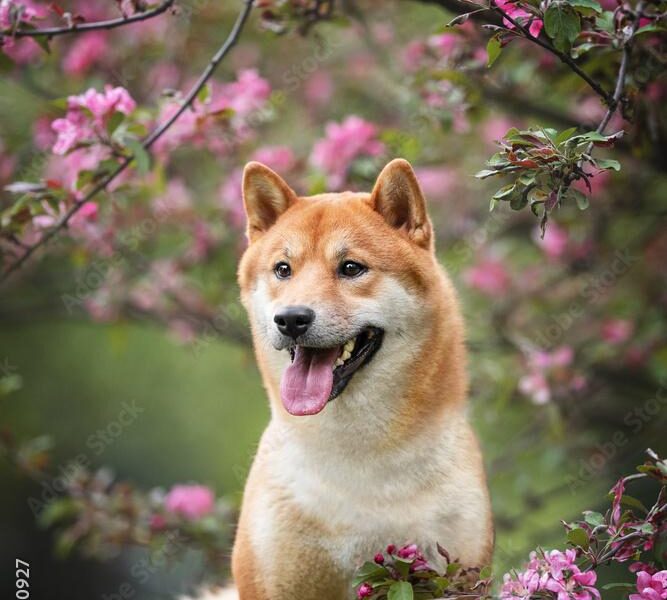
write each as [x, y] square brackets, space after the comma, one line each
[429, 491]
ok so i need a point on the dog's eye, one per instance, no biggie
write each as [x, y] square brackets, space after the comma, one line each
[349, 268]
[282, 270]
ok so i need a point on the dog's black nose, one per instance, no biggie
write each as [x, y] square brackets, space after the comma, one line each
[294, 320]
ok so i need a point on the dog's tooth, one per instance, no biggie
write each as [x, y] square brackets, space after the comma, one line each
[349, 345]
[345, 355]
[339, 362]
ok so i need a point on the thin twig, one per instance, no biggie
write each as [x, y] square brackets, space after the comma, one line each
[229, 43]
[565, 58]
[615, 99]
[93, 26]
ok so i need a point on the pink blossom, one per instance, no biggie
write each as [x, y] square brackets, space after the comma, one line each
[365, 590]
[231, 198]
[319, 88]
[519, 15]
[103, 104]
[157, 522]
[383, 33]
[51, 216]
[651, 587]
[7, 163]
[65, 169]
[21, 51]
[379, 558]
[488, 276]
[77, 126]
[437, 182]
[190, 501]
[495, 128]
[197, 126]
[413, 54]
[617, 331]
[86, 51]
[408, 551]
[535, 386]
[445, 43]
[25, 11]
[555, 572]
[175, 200]
[278, 158]
[245, 95]
[344, 142]
[542, 360]
[43, 135]
[555, 241]
[598, 181]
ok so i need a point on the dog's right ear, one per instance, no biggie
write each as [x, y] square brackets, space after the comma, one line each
[265, 197]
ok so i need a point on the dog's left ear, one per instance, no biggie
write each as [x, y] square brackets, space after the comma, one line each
[399, 199]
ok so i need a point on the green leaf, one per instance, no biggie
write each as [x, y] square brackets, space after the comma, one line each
[611, 586]
[520, 198]
[578, 537]
[402, 566]
[582, 203]
[401, 590]
[592, 4]
[141, 157]
[484, 173]
[633, 502]
[204, 94]
[607, 164]
[485, 573]
[115, 120]
[563, 136]
[57, 512]
[562, 24]
[593, 518]
[652, 28]
[369, 571]
[493, 50]
[504, 191]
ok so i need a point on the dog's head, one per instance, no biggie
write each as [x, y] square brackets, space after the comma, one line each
[340, 287]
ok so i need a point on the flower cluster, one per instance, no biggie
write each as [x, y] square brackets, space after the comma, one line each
[596, 541]
[547, 370]
[398, 572]
[517, 13]
[220, 119]
[555, 572]
[343, 144]
[651, 586]
[88, 116]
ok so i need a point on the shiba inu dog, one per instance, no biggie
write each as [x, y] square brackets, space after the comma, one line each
[360, 343]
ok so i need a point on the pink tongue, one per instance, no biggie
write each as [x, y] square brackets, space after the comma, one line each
[306, 384]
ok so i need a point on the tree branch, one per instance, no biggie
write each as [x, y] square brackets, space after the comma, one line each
[228, 44]
[83, 27]
[564, 58]
[615, 99]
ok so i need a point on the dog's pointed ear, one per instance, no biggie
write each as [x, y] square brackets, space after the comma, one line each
[265, 197]
[399, 199]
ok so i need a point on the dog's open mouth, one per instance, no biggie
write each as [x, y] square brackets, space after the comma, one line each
[318, 375]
